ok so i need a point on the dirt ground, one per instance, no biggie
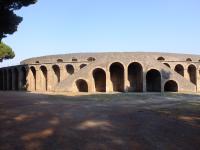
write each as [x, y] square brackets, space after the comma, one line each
[123, 121]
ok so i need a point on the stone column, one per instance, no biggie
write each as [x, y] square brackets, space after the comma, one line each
[186, 74]
[13, 79]
[109, 86]
[8, 83]
[29, 86]
[126, 81]
[63, 73]
[50, 79]
[198, 80]
[144, 82]
[38, 80]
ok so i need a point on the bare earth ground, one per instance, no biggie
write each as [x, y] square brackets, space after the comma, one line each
[34, 121]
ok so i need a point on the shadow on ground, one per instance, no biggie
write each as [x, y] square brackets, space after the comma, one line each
[109, 121]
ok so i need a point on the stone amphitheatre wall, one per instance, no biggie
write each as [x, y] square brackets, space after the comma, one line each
[105, 72]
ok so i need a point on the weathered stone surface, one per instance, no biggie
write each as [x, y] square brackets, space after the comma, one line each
[105, 72]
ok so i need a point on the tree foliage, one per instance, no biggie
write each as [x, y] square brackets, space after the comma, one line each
[6, 52]
[9, 21]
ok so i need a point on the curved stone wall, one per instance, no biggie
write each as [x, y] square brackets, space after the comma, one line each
[105, 72]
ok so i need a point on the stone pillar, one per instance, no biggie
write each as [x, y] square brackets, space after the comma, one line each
[198, 80]
[186, 74]
[126, 81]
[109, 87]
[50, 79]
[91, 84]
[20, 80]
[13, 79]
[38, 80]
[7, 83]
[29, 86]
[63, 73]
[144, 82]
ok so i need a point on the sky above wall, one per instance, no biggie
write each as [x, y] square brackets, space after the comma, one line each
[73, 26]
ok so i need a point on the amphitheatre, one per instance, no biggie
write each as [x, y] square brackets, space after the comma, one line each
[105, 72]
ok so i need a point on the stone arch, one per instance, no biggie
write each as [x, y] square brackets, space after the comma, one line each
[74, 59]
[192, 73]
[82, 66]
[171, 86]
[1, 79]
[10, 79]
[166, 64]
[91, 59]
[117, 76]
[16, 79]
[161, 58]
[135, 77]
[99, 76]
[153, 81]
[59, 60]
[179, 69]
[70, 69]
[33, 83]
[23, 78]
[56, 71]
[188, 59]
[82, 85]
[43, 77]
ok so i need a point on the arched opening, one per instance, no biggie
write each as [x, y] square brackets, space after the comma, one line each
[5, 83]
[171, 86]
[91, 59]
[117, 76]
[166, 64]
[153, 81]
[43, 78]
[56, 71]
[70, 69]
[161, 58]
[37, 62]
[1, 79]
[74, 59]
[135, 77]
[23, 78]
[99, 76]
[59, 60]
[188, 59]
[33, 78]
[179, 69]
[16, 79]
[10, 80]
[82, 66]
[82, 85]
[192, 74]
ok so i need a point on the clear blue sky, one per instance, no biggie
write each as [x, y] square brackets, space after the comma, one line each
[70, 26]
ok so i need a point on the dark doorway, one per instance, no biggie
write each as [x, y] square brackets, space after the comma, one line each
[192, 74]
[117, 76]
[82, 85]
[171, 86]
[99, 76]
[179, 69]
[56, 71]
[135, 77]
[43, 78]
[153, 81]
[70, 69]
